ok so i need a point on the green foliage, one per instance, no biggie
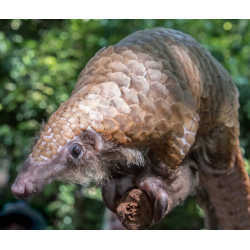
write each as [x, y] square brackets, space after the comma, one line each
[39, 64]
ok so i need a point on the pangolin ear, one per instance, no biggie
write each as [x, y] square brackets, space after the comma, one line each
[94, 137]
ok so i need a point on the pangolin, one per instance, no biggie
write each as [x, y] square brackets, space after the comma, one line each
[156, 112]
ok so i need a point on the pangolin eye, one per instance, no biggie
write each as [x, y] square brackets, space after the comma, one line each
[76, 150]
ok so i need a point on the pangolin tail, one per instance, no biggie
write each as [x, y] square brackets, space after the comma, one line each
[226, 197]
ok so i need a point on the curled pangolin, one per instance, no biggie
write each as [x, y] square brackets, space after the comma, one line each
[154, 112]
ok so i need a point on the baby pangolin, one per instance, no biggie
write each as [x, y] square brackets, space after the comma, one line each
[150, 112]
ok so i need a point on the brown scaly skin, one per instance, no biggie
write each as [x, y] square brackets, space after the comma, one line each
[143, 113]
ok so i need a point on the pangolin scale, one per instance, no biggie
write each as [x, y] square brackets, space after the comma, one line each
[159, 89]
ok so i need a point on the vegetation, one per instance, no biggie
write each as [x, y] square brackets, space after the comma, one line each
[39, 64]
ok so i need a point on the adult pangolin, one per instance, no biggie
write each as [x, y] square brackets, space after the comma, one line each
[155, 113]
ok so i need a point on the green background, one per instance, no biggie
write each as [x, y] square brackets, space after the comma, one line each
[39, 64]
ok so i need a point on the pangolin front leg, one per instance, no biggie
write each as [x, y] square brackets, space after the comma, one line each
[164, 193]
[154, 187]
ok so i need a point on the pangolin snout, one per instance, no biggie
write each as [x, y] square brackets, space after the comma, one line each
[30, 180]
[23, 189]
